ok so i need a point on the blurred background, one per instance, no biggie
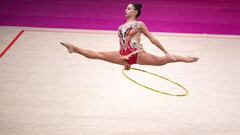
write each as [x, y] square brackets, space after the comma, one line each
[178, 16]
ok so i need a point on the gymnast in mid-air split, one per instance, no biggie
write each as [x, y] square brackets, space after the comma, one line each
[131, 50]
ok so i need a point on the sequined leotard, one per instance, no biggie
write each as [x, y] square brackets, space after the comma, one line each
[128, 43]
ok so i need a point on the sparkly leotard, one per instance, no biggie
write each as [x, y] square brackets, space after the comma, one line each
[128, 43]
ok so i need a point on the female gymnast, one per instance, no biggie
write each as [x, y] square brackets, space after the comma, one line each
[131, 51]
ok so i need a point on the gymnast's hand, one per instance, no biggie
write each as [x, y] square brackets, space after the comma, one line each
[127, 66]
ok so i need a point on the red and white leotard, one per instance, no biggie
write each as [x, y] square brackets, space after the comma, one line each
[129, 46]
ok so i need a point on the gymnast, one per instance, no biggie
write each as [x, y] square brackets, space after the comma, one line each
[131, 50]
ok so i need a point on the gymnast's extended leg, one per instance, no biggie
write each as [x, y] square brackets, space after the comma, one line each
[145, 58]
[112, 56]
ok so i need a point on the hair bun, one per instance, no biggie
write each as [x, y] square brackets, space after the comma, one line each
[139, 5]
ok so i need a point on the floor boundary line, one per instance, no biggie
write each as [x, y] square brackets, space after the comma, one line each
[11, 43]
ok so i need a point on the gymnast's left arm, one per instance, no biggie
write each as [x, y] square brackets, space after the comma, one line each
[153, 40]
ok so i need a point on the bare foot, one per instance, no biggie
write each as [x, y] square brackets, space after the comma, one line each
[193, 59]
[68, 46]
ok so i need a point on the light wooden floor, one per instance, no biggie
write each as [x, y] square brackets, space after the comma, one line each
[46, 91]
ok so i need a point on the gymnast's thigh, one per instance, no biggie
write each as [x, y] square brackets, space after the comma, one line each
[113, 57]
[145, 58]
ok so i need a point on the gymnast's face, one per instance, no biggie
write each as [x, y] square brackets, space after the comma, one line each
[130, 11]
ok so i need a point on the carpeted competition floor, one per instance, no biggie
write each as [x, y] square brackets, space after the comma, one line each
[45, 90]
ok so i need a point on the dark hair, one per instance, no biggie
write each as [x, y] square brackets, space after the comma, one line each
[137, 7]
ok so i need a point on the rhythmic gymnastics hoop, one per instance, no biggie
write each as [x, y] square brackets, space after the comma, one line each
[155, 90]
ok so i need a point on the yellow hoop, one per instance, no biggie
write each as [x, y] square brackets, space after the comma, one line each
[170, 94]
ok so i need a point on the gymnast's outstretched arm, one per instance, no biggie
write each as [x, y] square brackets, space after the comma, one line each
[153, 40]
[149, 35]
